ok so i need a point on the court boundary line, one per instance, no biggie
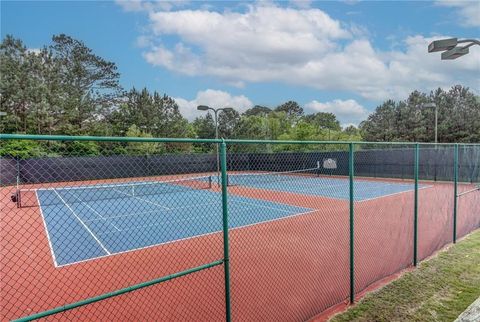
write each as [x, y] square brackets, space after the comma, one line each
[84, 225]
[152, 211]
[192, 237]
[160, 223]
[96, 212]
[144, 200]
[201, 216]
[46, 230]
[266, 207]
[301, 192]
[393, 194]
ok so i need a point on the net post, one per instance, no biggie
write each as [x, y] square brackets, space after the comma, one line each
[17, 182]
[455, 192]
[351, 205]
[415, 205]
[226, 253]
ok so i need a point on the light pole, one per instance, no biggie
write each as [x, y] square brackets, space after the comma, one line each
[429, 105]
[215, 112]
[450, 47]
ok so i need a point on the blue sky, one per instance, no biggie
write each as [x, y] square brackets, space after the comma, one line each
[342, 57]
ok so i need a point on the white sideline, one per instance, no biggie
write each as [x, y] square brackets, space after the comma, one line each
[46, 230]
[392, 194]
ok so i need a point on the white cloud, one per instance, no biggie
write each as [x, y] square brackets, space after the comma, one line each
[305, 47]
[469, 11]
[147, 6]
[213, 98]
[35, 51]
[348, 112]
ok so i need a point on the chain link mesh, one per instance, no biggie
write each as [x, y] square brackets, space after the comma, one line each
[468, 202]
[384, 204]
[78, 224]
[75, 227]
[294, 265]
[436, 203]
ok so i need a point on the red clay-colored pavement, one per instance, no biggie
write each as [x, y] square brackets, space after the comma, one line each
[289, 269]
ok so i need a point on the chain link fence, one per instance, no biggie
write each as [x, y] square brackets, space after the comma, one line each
[166, 230]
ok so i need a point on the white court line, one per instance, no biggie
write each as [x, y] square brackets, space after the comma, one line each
[161, 223]
[205, 216]
[84, 225]
[309, 192]
[392, 194]
[192, 237]
[145, 200]
[96, 212]
[266, 207]
[156, 210]
[46, 230]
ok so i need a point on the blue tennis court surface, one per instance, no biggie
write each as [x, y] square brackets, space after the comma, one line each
[337, 188]
[81, 228]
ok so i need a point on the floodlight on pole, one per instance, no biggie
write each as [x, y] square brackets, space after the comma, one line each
[454, 53]
[451, 49]
[202, 108]
[442, 45]
[215, 112]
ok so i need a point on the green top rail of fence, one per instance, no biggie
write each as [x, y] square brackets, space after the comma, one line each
[192, 140]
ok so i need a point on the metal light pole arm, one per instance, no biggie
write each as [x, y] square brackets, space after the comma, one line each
[471, 41]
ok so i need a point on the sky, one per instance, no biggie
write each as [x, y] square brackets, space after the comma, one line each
[344, 57]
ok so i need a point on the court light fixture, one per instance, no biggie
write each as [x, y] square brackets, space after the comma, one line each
[454, 53]
[442, 45]
[451, 49]
[215, 113]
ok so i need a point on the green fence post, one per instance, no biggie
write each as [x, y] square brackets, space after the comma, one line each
[415, 211]
[352, 274]
[226, 252]
[455, 184]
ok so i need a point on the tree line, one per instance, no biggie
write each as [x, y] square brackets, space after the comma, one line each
[64, 88]
[413, 120]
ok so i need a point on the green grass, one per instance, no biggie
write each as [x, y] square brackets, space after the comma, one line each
[439, 290]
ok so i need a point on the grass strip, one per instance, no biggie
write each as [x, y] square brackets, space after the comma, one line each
[440, 289]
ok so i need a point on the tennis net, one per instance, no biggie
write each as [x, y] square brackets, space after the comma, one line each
[247, 179]
[80, 194]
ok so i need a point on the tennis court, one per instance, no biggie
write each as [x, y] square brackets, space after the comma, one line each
[89, 222]
[307, 182]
